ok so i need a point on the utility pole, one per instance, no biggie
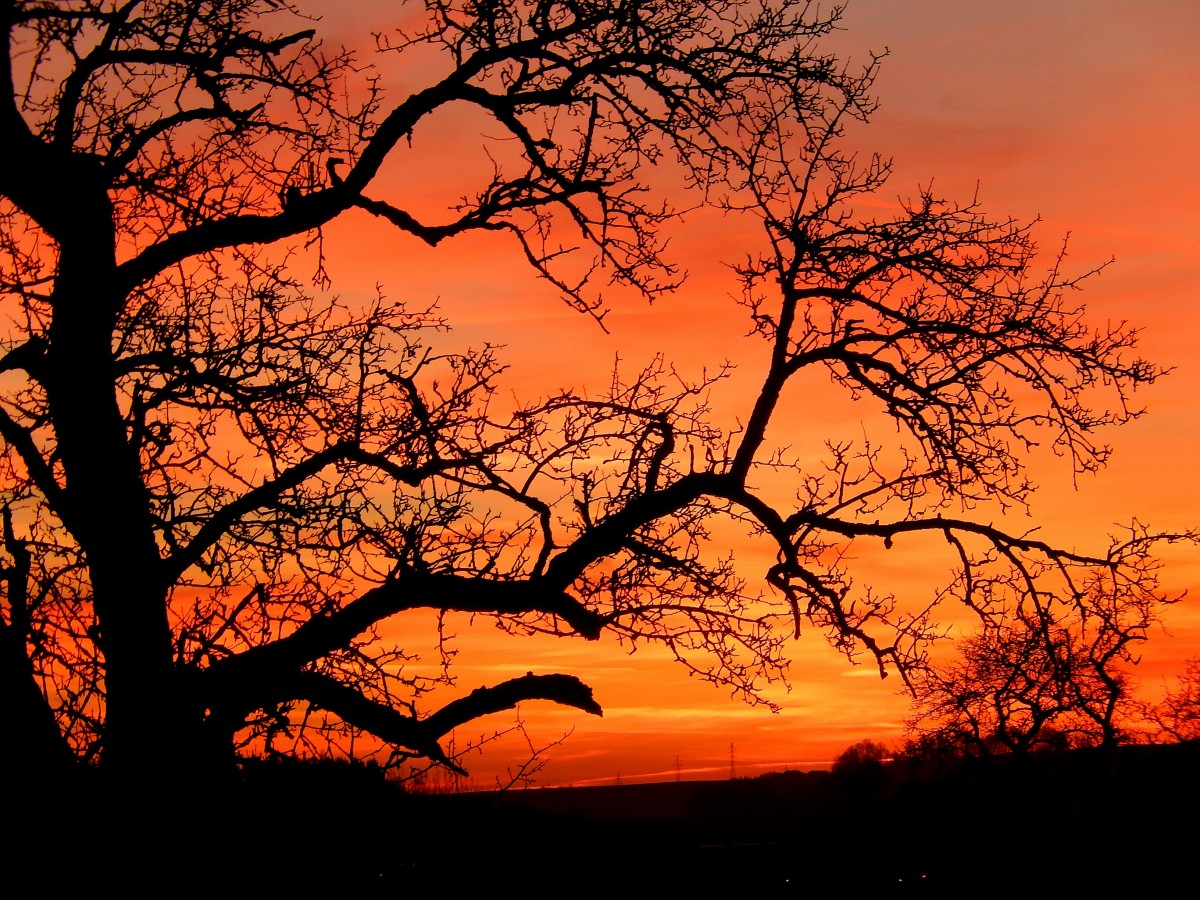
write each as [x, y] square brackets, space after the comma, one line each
[678, 774]
[732, 768]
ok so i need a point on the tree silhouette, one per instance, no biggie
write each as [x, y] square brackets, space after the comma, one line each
[1176, 717]
[862, 754]
[1041, 673]
[219, 479]
[861, 771]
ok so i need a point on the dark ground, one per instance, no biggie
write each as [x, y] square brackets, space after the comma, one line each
[1078, 823]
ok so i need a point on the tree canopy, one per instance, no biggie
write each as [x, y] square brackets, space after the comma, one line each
[219, 478]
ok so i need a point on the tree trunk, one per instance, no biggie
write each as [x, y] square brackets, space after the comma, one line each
[148, 728]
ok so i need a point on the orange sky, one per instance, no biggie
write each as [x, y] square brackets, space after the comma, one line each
[1085, 112]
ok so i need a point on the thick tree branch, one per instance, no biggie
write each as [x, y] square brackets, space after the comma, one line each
[324, 634]
[422, 735]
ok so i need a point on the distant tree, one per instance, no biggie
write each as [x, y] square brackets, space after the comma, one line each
[219, 479]
[862, 754]
[1039, 675]
[1001, 695]
[861, 773]
[1177, 716]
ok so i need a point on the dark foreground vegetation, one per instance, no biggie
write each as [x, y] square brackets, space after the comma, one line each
[1075, 820]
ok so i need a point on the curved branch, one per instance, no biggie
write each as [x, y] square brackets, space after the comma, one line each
[247, 673]
[422, 735]
[610, 535]
[307, 212]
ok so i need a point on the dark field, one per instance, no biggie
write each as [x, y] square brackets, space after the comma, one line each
[1079, 823]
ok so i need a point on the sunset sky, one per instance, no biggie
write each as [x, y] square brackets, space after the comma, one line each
[1083, 112]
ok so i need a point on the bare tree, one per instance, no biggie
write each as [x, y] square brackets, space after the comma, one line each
[219, 480]
[1177, 716]
[1043, 671]
[1003, 694]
